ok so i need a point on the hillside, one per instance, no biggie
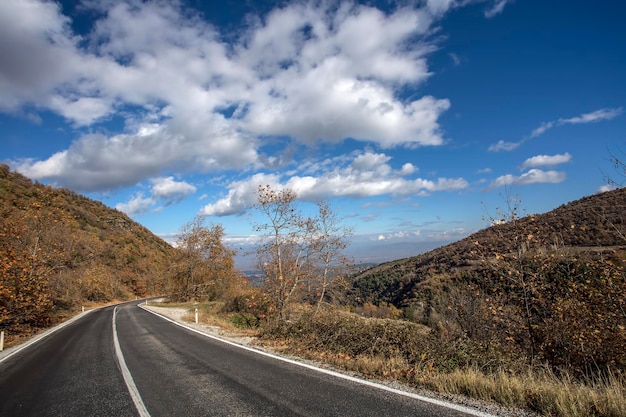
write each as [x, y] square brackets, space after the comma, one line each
[551, 285]
[592, 224]
[59, 250]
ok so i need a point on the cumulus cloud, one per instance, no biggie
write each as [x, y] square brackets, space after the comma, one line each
[138, 204]
[408, 169]
[306, 72]
[546, 160]
[368, 174]
[533, 176]
[241, 195]
[165, 191]
[97, 162]
[606, 187]
[170, 191]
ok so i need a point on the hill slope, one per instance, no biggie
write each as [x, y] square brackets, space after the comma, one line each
[59, 250]
[552, 286]
[592, 224]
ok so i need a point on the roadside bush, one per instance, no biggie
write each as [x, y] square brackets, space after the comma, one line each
[250, 308]
[349, 334]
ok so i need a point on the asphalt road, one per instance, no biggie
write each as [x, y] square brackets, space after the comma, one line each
[173, 371]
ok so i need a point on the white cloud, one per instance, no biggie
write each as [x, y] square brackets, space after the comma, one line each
[455, 59]
[400, 235]
[136, 205]
[504, 146]
[541, 129]
[533, 176]
[602, 114]
[164, 190]
[606, 187]
[497, 8]
[241, 196]
[438, 7]
[408, 169]
[546, 160]
[591, 117]
[38, 52]
[371, 177]
[306, 72]
[170, 191]
[369, 161]
[96, 162]
[594, 116]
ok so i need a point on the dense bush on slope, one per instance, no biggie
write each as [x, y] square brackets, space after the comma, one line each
[551, 286]
[59, 249]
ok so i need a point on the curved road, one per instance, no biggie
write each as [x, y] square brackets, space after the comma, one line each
[125, 361]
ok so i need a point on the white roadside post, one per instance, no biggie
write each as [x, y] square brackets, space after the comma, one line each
[196, 316]
[1, 341]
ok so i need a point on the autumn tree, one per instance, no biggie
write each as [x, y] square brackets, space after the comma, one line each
[204, 268]
[28, 257]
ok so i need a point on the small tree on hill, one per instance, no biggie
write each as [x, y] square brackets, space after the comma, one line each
[285, 253]
[299, 251]
[330, 239]
[204, 268]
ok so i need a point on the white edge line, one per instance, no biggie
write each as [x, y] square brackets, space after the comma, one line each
[128, 378]
[42, 336]
[434, 401]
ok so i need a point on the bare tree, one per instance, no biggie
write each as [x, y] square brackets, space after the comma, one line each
[618, 159]
[514, 264]
[286, 252]
[329, 242]
[299, 251]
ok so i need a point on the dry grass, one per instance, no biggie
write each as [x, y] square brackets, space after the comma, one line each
[405, 352]
[538, 391]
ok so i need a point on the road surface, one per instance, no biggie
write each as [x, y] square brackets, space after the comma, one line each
[125, 361]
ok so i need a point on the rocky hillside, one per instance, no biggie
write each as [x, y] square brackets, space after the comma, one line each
[59, 250]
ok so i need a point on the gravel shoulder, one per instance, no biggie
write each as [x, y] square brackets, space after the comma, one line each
[178, 313]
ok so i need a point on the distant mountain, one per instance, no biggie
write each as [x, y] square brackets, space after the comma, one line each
[592, 224]
[59, 249]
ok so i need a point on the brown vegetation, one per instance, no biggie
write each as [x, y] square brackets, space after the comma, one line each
[60, 250]
[548, 288]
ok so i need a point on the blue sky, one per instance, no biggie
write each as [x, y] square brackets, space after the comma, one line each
[411, 117]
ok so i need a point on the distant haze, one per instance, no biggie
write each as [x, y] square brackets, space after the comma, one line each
[360, 252]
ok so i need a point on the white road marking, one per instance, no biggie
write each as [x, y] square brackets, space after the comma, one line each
[128, 378]
[449, 405]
